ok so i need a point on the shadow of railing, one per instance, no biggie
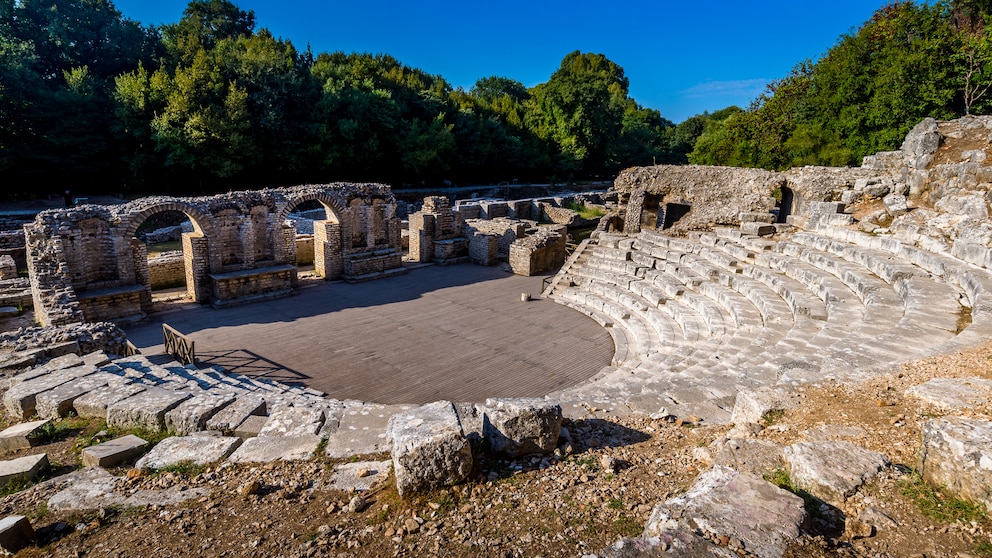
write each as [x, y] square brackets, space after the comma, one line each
[253, 365]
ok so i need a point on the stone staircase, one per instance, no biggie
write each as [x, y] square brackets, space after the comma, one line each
[697, 319]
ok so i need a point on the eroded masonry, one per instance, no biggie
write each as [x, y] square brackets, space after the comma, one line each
[86, 263]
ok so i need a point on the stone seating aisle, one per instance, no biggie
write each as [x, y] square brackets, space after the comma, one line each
[826, 303]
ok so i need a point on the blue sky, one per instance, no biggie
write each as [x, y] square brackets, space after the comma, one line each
[681, 58]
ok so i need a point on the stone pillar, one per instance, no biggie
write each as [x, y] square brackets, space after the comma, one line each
[139, 255]
[328, 259]
[422, 231]
[196, 258]
[289, 249]
[632, 218]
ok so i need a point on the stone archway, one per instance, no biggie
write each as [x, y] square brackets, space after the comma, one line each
[195, 249]
[784, 203]
[327, 241]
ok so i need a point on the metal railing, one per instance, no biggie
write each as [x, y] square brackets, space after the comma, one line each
[178, 345]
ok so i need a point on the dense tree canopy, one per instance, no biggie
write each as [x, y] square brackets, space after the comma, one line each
[908, 62]
[95, 101]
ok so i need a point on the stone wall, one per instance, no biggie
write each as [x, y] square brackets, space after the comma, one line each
[436, 233]
[540, 252]
[167, 270]
[92, 249]
[12, 244]
[505, 230]
[304, 249]
[693, 197]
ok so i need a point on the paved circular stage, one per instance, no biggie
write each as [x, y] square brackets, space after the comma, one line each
[460, 333]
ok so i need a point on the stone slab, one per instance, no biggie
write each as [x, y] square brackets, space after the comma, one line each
[251, 426]
[19, 436]
[361, 475]
[94, 404]
[293, 421]
[276, 448]
[89, 489]
[113, 452]
[233, 415]
[20, 399]
[192, 414]
[751, 405]
[15, 533]
[22, 469]
[198, 450]
[57, 402]
[751, 455]
[957, 453]
[145, 409]
[362, 430]
[712, 507]
[953, 393]
[832, 470]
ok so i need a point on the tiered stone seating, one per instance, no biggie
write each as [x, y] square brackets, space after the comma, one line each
[749, 311]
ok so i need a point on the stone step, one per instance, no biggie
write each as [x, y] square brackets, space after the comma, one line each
[22, 469]
[113, 452]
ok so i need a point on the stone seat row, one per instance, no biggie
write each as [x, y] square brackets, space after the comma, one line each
[824, 305]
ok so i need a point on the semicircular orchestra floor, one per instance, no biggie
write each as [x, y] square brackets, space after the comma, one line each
[460, 333]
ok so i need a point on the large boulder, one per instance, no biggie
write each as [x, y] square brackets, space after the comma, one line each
[957, 453]
[832, 470]
[713, 508]
[517, 427]
[429, 449]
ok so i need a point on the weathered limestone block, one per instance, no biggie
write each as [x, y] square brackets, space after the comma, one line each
[957, 453]
[751, 405]
[952, 393]
[521, 426]
[751, 455]
[757, 229]
[21, 399]
[293, 421]
[94, 404]
[267, 449]
[228, 418]
[113, 452]
[192, 414]
[145, 409]
[713, 506]
[832, 470]
[895, 204]
[197, 450]
[19, 436]
[88, 489]
[58, 402]
[22, 469]
[15, 533]
[362, 429]
[428, 447]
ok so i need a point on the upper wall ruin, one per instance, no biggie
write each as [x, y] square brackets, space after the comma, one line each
[86, 264]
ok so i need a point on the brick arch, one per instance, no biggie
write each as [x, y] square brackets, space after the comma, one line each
[201, 221]
[331, 205]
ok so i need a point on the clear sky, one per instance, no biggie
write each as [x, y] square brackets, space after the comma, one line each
[681, 58]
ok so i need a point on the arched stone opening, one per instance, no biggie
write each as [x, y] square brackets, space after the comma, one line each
[784, 203]
[312, 235]
[193, 253]
[652, 214]
[161, 235]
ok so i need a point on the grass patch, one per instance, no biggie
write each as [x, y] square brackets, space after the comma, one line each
[627, 527]
[61, 429]
[585, 211]
[615, 504]
[937, 503]
[771, 417]
[984, 548]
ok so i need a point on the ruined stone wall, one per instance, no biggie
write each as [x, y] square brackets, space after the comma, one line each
[89, 249]
[167, 270]
[710, 196]
[559, 215]
[12, 244]
[505, 230]
[304, 249]
[540, 252]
